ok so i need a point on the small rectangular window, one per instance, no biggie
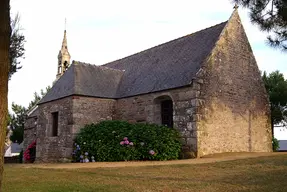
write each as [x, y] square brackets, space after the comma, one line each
[55, 117]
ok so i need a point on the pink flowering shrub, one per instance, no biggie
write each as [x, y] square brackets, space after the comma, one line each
[30, 153]
[123, 141]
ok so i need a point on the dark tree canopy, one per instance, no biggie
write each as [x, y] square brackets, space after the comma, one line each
[276, 87]
[17, 123]
[271, 17]
[17, 49]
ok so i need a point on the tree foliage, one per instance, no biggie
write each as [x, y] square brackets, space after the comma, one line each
[276, 87]
[38, 97]
[275, 144]
[17, 123]
[19, 115]
[17, 49]
[271, 17]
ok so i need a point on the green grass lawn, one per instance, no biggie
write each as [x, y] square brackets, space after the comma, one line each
[255, 174]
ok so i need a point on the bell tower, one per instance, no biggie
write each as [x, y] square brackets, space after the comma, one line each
[63, 57]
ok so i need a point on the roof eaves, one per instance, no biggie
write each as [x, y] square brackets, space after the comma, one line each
[32, 110]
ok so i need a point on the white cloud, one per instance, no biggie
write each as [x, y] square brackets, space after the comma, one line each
[103, 31]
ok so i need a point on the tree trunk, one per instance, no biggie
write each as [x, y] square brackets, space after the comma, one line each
[272, 127]
[4, 70]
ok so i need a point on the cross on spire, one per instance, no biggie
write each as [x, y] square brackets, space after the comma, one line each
[235, 6]
[65, 23]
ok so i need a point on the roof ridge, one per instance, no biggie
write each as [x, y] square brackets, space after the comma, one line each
[105, 67]
[71, 67]
[81, 62]
[99, 66]
[162, 44]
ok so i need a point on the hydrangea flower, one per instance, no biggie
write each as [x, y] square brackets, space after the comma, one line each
[75, 144]
[81, 156]
[84, 143]
[142, 143]
[122, 143]
[26, 153]
[151, 152]
[125, 138]
[86, 153]
[93, 157]
[127, 142]
[86, 160]
[131, 143]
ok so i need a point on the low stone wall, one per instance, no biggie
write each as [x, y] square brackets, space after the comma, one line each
[14, 159]
[30, 130]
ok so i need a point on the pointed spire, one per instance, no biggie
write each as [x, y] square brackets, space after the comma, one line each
[235, 12]
[64, 43]
[63, 56]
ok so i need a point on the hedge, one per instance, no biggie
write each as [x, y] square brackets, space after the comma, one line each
[123, 141]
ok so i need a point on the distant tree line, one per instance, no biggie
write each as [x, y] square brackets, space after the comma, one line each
[17, 118]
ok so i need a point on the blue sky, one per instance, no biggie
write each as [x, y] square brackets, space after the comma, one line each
[102, 31]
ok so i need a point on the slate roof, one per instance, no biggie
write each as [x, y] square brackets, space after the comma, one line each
[166, 66]
[85, 79]
[16, 148]
[282, 145]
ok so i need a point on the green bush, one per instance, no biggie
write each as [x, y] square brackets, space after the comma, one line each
[275, 144]
[122, 141]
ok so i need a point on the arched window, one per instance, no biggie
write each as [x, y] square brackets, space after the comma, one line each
[65, 66]
[164, 111]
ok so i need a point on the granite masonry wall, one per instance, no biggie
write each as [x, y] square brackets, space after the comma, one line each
[54, 148]
[234, 113]
[146, 108]
[74, 113]
[88, 110]
[30, 131]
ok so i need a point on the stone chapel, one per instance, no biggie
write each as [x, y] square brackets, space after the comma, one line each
[207, 85]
